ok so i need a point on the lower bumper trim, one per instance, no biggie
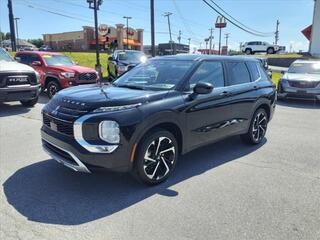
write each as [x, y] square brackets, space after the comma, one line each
[78, 166]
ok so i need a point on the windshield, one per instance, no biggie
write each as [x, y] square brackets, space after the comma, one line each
[130, 56]
[58, 60]
[155, 75]
[4, 56]
[311, 68]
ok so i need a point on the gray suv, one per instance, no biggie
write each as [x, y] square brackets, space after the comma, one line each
[301, 81]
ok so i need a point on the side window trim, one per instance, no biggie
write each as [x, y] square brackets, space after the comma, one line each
[250, 72]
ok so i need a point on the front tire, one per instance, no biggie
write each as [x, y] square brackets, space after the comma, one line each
[52, 88]
[156, 158]
[270, 51]
[29, 103]
[257, 129]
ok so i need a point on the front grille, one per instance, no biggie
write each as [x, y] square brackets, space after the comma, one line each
[58, 125]
[17, 78]
[303, 84]
[89, 76]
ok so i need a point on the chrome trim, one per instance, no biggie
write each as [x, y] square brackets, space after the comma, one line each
[80, 168]
[77, 129]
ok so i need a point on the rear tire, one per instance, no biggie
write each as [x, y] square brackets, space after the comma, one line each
[257, 129]
[52, 88]
[156, 157]
[29, 103]
[248, 51]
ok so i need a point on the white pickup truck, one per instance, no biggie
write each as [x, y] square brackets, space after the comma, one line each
[257, 46]
[18, 82]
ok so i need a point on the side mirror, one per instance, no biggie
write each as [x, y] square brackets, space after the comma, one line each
[202, 88]
[18, 59]
[36, 63]
[283, 72]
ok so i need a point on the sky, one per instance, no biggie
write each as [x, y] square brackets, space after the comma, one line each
[192, 17]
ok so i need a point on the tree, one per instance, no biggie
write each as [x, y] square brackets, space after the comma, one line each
[37, 42]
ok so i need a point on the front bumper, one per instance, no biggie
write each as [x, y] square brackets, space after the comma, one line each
[70, 153]
[286, 91]
[18, 93]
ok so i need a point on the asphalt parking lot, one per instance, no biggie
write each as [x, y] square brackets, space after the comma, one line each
[227, 190]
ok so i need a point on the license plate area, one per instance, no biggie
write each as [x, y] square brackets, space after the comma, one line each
[17, 80]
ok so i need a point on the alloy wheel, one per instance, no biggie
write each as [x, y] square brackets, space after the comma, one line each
[259, 127]
[159, 158]
[53, 90]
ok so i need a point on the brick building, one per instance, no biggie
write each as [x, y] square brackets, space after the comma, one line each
[84, 40]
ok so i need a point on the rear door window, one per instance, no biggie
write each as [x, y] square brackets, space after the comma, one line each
[238, 73]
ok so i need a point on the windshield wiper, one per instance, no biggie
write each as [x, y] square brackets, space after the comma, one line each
[130, 86]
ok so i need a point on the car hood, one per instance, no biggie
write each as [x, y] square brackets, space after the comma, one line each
[76, 69]
[301, 77]
[93, 96]
[124, 62]
[14, 66]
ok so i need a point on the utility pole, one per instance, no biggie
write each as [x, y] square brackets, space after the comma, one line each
[220, 41]
[16, 20]
[206, 41]
[95, 7]
[276, 37]
[12, 28]
[189, 40]
[127, 30]
[179, 36]
[227, 37]
[153, 47]
[210, 39]
[168, 14]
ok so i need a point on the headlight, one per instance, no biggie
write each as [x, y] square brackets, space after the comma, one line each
[109, 131]
[68, 74]
[117, 108]
[122, 68]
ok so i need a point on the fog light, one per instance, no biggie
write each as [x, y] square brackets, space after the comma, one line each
[109, 131]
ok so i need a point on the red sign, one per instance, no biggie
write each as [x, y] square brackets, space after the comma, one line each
[307, 32]
[221, 22]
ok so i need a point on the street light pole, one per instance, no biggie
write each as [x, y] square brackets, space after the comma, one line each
[168, 14]
[153, 47]
[16, 20]
[95, 7]
[127, 30]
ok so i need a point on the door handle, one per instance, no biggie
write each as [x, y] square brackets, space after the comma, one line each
[225, 93]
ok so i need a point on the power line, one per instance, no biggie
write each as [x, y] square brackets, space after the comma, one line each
[263, 33]
[233, 23]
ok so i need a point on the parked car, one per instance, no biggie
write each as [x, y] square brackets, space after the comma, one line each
[160, 109]
[301, 81]
[28, 48]
[257, 46]
[57, 71]
[45, 48]
[124, 60]
[18, 82]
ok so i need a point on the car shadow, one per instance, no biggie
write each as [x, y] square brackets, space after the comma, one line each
[297, 103]
[47, 192]
[15, 108]
[7, 109]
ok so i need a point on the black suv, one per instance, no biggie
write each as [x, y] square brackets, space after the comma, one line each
[160, 109]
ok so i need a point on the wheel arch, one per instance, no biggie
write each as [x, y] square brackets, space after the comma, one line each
[49, 78]
[266, 107]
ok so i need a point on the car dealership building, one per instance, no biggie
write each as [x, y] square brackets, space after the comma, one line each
[84, 40]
